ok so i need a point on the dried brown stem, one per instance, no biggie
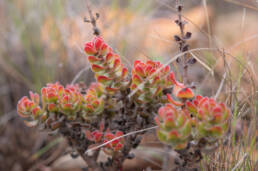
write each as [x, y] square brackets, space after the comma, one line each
[77, 140]
[91, 160]
[183, 46]
[165, 165]
[93, 19]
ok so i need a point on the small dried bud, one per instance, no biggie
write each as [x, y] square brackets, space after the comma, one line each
[97, 15]
[177, 38]
[188, 35]
[191, 61]
[178, 60]
[185, 48]
[179, 8]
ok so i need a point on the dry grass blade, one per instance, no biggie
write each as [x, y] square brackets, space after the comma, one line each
[243, 41]
[241, 3]
[203, 64]
[130, 133]
[240, 162]
[220, 86]
[79, 74]
[204, 2]
[243, 19]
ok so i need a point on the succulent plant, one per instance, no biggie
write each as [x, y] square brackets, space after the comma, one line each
[97, 135]
[29, 107]
[181, 93]
[70, 101]
[93, 101]
[114, 146]
[149, 79]
[106, 65]
[181, 118]
[211, 118]
[174, 126]
[50, 96]
[67, 100]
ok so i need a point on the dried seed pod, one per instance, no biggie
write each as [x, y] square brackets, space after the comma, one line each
[177, 38]
[192, 61]
[185, 48]
[188, 35]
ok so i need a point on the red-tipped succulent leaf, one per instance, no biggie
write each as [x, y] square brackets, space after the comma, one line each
[149, 79]
[174, 126]
[106, 65]
[211, 117]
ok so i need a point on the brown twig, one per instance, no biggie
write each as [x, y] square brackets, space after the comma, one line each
[77, 140]
[183, 46]
[93, 19]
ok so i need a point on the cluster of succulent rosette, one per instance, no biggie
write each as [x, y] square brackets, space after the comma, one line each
[199, 118]
[181, 118]
[106, 65]
[99, 135]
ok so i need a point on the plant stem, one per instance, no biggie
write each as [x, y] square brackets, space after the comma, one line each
[93, 19]
[80, 143]
[166, 157]
[183, 44]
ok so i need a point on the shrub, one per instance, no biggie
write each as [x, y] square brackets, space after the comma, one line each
[128, 103]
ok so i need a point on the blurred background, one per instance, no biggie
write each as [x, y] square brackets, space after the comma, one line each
[42, 42]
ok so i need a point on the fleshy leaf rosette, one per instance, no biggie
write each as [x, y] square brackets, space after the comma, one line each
[211, 117]
[181, 93]
[114, 146]
[29, 107]
[70, 101]
[174, 126]
[149, 79]
[106, 65]
[66, 100]
[97, 135]
[50, 96]
[93, 101]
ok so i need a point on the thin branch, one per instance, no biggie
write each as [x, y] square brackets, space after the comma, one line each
[202, 63]
[220, 86]
[182, 40]
[204, 2]
[77, 76]
[93, 19]
[240, 162]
